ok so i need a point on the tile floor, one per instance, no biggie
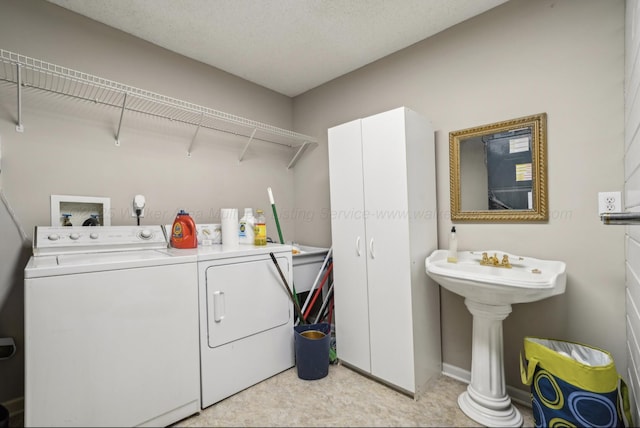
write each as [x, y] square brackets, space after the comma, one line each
[344, 398]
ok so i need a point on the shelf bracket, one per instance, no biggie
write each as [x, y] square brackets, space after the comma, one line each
[246, 146]
[19, 127]
[193, 140]
[297, 155]
[124, 103]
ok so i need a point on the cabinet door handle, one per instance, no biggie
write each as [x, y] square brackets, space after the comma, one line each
[373, 256]
[218, 306]
[358, 246]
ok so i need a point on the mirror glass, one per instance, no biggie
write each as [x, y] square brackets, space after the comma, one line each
[498, 171]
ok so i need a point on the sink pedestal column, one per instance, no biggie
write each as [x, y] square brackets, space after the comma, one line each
[486, 400]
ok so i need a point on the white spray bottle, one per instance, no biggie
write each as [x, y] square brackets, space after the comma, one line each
[452, 257]
[246, 233]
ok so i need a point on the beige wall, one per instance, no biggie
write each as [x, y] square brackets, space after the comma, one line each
[71, 144]
[564, 58]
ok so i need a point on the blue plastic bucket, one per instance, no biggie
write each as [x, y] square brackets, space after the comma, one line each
[312, 343]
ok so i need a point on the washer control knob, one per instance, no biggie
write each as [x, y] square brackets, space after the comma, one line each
[145, 234]
[93, 235]
[74, 236]
[53, 237]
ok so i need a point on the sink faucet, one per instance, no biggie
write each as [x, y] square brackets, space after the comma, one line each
[495, 261]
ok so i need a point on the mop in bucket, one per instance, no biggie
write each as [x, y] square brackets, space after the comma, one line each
[312, 341]
[574, 385]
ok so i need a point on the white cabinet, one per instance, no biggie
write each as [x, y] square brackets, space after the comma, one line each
[383, 226]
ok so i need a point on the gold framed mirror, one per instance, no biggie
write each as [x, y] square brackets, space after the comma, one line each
[498, 172]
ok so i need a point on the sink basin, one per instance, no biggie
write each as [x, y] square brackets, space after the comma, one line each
[527, 280]
[489, 290]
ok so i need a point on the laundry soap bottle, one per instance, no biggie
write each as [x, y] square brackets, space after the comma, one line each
[183, 232]
[452, 257]
[246, 231]
[260, 229]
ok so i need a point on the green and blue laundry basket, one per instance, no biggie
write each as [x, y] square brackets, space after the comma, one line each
[573, 385]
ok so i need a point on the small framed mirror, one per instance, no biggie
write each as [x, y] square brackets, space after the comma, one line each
[498, 172]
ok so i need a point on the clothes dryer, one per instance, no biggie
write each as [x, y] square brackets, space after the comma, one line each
[246, 317]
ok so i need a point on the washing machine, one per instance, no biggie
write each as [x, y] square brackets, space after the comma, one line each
[111, 328]
[246, 317]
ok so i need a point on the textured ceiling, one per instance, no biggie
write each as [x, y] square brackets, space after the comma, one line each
[289, 46]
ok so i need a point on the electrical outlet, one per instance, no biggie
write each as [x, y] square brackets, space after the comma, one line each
[609, 202]
[139, 203]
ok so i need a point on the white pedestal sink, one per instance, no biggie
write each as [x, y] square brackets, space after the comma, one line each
[489, 291]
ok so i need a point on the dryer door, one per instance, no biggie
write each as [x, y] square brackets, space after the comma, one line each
[245, 298]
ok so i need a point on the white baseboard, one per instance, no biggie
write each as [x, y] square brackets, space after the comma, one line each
[517, 395]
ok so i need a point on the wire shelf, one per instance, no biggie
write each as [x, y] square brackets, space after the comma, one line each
[31, 73]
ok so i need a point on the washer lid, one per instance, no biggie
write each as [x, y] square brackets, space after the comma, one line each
[108, 258]
[67, 264]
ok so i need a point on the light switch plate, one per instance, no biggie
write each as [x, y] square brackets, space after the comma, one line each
[609, 202]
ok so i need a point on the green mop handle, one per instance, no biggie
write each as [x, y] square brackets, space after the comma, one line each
[275, 214]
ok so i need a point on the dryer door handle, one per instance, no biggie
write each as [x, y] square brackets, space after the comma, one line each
[218, 306]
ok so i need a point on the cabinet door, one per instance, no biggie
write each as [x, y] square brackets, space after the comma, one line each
[348, 240]
[388, 256]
